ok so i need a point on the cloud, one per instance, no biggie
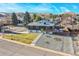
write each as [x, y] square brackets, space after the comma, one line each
[41, 8]
[55, 8]
[64, 9]
[9, 7]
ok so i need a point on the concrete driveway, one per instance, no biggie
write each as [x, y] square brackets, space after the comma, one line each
[61, 43]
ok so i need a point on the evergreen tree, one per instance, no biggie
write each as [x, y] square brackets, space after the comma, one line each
[14, 19]
[27, 19]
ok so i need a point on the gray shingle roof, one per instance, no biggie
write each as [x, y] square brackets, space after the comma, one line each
[42, 23]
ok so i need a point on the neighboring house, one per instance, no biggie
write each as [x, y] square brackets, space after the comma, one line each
[74, 28]
[67, 21]
[41, 26]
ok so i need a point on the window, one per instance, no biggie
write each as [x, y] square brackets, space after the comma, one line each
[37, 27]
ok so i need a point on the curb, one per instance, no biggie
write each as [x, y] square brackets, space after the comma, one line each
[37, 38]
[36, 47]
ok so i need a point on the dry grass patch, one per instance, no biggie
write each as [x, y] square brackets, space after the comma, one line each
[24, 38]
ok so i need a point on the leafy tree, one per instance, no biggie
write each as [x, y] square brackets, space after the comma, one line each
[50, 15]
[34, 17]
[38, 18]
[14, 19]
[27, 19]
[54, 16]
[66, 15]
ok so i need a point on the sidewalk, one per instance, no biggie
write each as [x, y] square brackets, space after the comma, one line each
[34, 42]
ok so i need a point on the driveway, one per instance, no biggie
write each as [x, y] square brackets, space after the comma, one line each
[56, 42]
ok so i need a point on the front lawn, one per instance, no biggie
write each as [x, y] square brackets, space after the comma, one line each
[24, 38]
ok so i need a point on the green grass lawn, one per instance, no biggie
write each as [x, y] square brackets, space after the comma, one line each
[24, 38]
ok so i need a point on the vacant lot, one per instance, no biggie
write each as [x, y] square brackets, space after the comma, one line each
[24, 38]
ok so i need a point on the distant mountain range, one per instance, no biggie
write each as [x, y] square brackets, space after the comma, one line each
[20, 14]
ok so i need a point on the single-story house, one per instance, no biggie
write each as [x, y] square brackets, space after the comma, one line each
[41, 26]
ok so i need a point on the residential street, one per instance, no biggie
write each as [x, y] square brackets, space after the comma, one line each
[12, 49]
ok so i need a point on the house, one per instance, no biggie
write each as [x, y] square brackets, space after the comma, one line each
[41, 26]
[46, 26]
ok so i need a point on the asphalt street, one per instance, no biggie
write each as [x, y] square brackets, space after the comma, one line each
[8, 48]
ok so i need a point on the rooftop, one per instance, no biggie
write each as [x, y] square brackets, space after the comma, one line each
[42, 23]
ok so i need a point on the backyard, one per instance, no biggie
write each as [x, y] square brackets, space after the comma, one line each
[24, 38]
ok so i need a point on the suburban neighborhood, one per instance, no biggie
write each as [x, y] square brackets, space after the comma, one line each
[39, 34]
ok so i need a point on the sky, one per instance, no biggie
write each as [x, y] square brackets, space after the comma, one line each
[55, 8]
